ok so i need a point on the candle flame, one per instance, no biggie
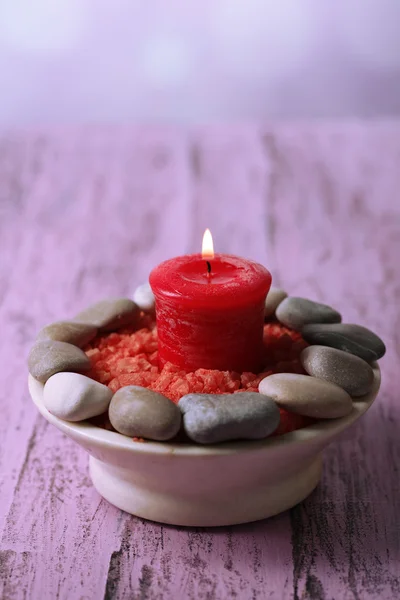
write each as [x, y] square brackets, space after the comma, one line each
[207, 249]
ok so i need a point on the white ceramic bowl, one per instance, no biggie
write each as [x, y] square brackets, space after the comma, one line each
[194, 485]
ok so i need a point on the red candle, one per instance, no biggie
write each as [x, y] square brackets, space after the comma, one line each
[210, 312]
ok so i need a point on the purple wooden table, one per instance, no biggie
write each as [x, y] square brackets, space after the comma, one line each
[85, 214]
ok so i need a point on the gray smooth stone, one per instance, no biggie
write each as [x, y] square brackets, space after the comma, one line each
[274, 298]
[347, 337]
[308, 396]
[112, 314]
[49, 357]
[78, 334]
[139, 412]
[213, 418]
[75, 397]
[346, 370]
[296, 312]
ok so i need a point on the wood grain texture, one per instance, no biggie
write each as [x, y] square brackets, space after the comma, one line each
[86, 213]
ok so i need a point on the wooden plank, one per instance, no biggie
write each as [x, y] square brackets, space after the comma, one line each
[89, 222]
[334, 216]
[86, 213]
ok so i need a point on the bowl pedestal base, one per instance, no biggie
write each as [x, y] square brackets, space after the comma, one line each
[121, 488]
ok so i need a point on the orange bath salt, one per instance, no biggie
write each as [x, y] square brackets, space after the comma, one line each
[129, 357]
[290, 422]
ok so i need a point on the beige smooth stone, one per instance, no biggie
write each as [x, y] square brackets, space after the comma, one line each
[110, 314]
[307, 395]
[139, 412]
[348, 371]
[49, 357]
[274, 298]
[75, 397]
[144, 298]
[78, 334]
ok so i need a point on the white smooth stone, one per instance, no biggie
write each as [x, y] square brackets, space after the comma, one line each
[144, 298]
[75, 397]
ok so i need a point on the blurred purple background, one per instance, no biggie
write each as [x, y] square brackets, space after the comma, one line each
[188, 61]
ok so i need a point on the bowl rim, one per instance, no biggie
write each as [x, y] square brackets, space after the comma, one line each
[316, 432]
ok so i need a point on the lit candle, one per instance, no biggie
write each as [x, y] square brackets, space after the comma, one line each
[210, 311]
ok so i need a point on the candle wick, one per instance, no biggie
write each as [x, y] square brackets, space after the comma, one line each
[208, 267]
